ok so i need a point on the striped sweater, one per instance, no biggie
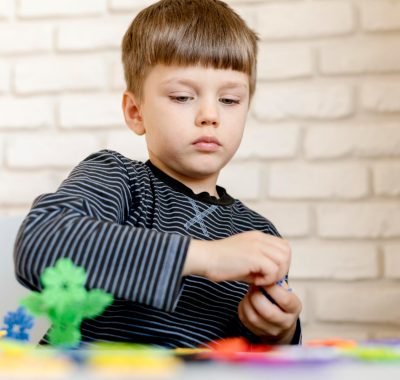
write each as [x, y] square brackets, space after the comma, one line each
[129, 226]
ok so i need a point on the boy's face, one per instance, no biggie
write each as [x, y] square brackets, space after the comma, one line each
[193, 118]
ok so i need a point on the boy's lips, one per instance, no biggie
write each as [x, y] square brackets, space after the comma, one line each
[207, 143]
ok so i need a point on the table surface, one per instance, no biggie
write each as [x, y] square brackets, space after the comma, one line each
[220, 371]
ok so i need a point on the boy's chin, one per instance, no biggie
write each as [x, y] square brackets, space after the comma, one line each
[205, 169]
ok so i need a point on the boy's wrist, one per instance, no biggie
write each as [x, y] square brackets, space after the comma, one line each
[196, 258]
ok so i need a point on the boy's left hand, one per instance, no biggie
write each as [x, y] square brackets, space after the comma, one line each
[273, 323]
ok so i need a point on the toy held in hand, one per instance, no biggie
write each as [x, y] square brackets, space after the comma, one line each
[283, 283]
[66, 302]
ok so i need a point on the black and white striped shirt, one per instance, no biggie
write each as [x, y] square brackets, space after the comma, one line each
[129, 226]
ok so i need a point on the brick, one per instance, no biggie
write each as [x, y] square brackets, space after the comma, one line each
[298, 181]
[21, 188]
[117, 75]
[61, 73]
[247, 13]
[359, 220]
[49, 150]
[126, 5]
[91, 111]
[291, 219]
[384, 332]
[379, 16]
[25, 38]
[241, 180]
[372, 55]
[5, 74]
[302, 101]
[304, 20]
[269, 142]
[386, 179]
[25, 112]
[91, 35]
[333, 331]
[342, 141]
[60, 8]
[14, 210]
[1, 151]
[392, 260]
[381, 97]
[341, 261]
[128, 144]
[284, 61]
[6, 8]
[374, 303]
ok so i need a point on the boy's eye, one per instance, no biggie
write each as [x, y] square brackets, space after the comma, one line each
[180, 99]
[229, 101]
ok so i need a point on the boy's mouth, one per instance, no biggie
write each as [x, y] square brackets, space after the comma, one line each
[207, 143]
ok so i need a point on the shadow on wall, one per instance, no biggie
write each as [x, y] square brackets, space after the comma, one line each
[11, 290]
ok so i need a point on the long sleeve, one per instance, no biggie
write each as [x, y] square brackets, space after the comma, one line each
[84, 220]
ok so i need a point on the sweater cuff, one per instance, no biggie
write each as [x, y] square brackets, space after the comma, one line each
[297, 337]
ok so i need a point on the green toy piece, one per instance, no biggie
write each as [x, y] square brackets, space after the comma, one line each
[66, 302]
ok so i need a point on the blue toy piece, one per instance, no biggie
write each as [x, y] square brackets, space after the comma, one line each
[17, 322]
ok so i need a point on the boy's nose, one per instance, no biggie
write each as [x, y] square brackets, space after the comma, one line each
[207, 115]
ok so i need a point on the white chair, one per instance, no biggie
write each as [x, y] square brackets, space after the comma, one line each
[11, 292]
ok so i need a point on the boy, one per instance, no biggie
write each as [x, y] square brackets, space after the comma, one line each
[183, 259]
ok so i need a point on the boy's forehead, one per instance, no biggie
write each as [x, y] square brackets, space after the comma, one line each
[170, 74]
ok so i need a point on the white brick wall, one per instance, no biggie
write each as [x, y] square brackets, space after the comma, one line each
[383, 15]
[60, 8]
[5, 73]
[372, 55]
[358, 303]
[291, 219]
[91, 35]
[279, 102]
[320, 156]
[26, 38]
[61, 73]
[6, 8]
[284, 61]
[25, 113]
[392, 260]
[269, 142]
[93, 111]
[359, 220]
[49, 150]
[238, 176]
[298, 181]
[342, 261]
[375, 140]
[300, 19]
[387, 179]
[381, 97]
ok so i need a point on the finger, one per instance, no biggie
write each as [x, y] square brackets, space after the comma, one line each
[286, 300]
[250, 318]
[268, 272]
[274, 253]
[279, 257]
[266, 309]
[272, 321]
[278, 242]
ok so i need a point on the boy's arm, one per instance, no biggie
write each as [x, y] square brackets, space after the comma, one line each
[84, 221]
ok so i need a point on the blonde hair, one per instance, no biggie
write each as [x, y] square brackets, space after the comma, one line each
[184, 33]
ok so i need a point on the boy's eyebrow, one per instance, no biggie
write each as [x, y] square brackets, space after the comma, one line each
[188, 82]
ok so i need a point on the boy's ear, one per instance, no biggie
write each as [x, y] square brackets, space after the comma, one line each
[131, 109]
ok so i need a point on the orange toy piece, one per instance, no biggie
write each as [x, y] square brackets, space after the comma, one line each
[338, 343]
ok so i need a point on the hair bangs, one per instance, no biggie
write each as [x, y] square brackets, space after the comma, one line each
[185, 33]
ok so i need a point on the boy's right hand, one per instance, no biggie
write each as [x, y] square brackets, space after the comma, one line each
[253, 256]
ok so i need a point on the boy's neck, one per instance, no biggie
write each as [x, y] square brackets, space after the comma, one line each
[197, 185]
